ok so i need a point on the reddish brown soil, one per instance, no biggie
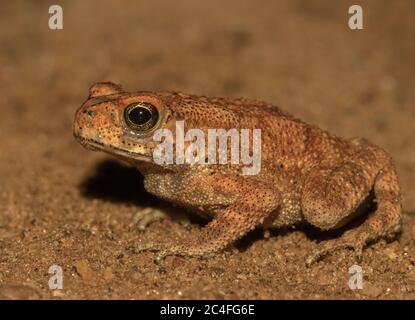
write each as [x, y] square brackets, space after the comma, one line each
[61, 204]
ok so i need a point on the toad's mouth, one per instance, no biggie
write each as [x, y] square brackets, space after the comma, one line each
[98, 146]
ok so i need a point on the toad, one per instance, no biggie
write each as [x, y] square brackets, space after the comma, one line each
[306, 176]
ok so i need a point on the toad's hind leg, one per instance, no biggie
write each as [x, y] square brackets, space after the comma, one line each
[385, 221]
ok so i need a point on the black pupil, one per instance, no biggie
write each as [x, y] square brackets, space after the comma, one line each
[139, 115]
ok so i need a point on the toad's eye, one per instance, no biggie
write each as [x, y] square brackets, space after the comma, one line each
[141, 116]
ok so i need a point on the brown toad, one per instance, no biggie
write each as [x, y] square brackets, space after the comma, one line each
[306, 174]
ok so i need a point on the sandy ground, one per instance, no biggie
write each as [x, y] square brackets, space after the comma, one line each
[61, 204]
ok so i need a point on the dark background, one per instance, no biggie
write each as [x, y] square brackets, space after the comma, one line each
[61, 204]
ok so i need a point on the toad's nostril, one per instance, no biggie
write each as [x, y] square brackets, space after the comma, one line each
[91, 114]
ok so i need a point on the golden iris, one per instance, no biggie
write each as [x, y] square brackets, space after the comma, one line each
[141, 116]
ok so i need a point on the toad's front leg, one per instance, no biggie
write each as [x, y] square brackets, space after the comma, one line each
[254, 203]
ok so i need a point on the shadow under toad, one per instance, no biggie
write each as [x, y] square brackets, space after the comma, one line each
[116, 182]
